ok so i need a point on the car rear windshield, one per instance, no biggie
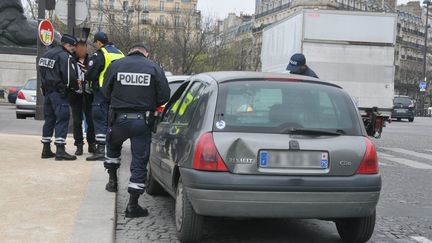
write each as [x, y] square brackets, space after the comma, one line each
[30, 85]
[278, 107]
[402, 100]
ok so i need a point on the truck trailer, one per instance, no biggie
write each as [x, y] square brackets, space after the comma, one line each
[355, 50]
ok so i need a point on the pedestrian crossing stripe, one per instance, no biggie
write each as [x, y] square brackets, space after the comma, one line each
[421, 239]
[409, 152]
[406, 162]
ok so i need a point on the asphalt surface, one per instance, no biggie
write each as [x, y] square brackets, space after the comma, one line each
[404, 210]
[404, 213]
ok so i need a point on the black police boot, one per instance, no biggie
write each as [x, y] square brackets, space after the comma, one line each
[79, 150]
[111, 186]
[46, 151]
[99, 153]
[133, 210]
[61, 153]
[91, 148]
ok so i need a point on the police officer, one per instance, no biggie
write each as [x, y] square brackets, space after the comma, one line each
[80, 99]
[97, 67]
[58, 69]
[297, 65]
[135, 86]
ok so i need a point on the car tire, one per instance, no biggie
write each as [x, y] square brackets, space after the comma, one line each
[20, 116]
[356, 230]
[189, 224]
[411, 119]
[399, 119]
[153, 187]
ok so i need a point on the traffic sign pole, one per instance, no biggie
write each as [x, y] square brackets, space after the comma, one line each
[40, 50]
[71, 16]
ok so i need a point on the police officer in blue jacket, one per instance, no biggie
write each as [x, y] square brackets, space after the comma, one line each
[297, 65]
[97, 66]
[135, 87]
[58, 70]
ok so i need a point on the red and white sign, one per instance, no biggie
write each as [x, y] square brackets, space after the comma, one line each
[46, 32]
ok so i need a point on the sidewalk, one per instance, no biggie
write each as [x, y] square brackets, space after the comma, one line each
[51, 201]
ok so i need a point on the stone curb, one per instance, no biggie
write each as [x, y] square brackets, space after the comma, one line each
[96, 220]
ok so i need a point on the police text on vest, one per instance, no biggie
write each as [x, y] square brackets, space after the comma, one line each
[135, 79]
[48, 63]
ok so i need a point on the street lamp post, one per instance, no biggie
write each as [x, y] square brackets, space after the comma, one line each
[139, 8]
[427, 3]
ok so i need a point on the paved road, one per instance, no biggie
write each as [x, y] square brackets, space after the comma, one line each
[404, 211]
[9, 124]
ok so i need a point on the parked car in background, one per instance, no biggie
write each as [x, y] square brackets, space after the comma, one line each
[12, 94]
[403, 108]
[26, 100]
[175, 82]
[265, 145]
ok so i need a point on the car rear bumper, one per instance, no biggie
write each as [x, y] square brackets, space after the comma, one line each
[26, 109]
[409, 114]
[257, 196]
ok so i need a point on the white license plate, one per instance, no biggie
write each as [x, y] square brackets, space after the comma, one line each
[401, 110]
[294, 159]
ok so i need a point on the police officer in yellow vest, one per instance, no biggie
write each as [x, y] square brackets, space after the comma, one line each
[97, 66]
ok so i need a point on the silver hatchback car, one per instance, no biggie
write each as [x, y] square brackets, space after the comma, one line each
[265, 145]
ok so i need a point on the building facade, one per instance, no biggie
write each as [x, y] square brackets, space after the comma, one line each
[139, 15]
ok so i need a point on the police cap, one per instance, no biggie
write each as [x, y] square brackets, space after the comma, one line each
[100, 36]
[69, 39]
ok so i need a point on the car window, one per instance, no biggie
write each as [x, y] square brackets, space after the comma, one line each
[170, 108]
[30, 85]
[187, 107]
[174, 86]
[402, 100]
[274, 107]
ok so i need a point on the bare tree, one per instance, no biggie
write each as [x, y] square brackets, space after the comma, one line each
[31, 9]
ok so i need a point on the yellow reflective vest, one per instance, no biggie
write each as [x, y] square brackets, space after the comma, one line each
[109, 57]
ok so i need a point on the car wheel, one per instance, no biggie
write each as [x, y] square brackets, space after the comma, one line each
[153, 187]
[356, 230]
[188, 223]
[399, 119]
[20, 116]
[411, 119]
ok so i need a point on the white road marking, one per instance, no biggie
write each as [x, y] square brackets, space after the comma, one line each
[407, 162]
[421, 239]
[428, 150]
[409, 152]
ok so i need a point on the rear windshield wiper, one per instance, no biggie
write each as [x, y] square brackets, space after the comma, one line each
[314, 132]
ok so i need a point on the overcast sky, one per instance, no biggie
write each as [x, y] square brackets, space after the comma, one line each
[221, 8]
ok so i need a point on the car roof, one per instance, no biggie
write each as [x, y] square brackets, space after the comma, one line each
[221, 77]
[177, 78]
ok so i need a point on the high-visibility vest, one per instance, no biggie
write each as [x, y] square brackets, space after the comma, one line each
[109, 57]
[187, 101]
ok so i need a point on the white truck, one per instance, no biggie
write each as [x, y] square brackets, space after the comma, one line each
[354, 50]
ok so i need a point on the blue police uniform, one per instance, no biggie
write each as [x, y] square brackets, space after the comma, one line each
[97, 67]
[58, 69]
[135, 87]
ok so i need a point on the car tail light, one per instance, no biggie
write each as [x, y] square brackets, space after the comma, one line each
[12, 90]
[369, 164]
[20, 96]
[206, 155]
